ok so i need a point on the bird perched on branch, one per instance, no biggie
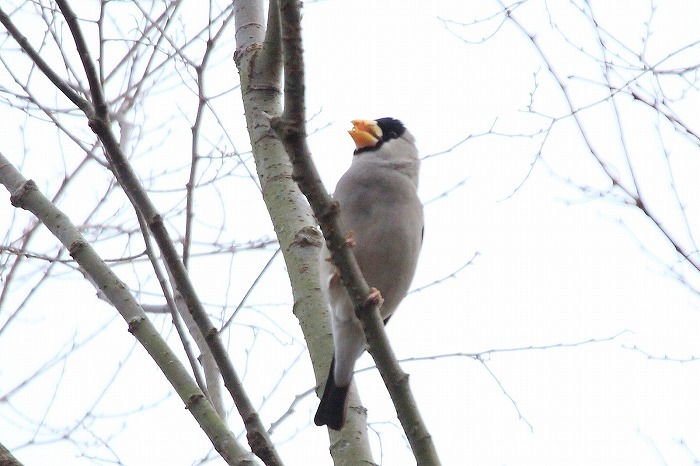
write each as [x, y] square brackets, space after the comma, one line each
[380, 209]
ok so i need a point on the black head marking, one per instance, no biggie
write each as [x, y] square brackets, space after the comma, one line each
[391, 128]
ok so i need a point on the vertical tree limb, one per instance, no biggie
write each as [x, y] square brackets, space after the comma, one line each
[259, 60]
[290, 128]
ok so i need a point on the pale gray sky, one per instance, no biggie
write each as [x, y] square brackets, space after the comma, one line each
[554, 267]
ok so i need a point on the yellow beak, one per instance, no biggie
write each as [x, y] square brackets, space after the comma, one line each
[365, 133]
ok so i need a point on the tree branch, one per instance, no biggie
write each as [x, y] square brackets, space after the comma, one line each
[25, 194]
[259, 62]
[99, 122]
[290, 128]
[80, 102]
[6, 458]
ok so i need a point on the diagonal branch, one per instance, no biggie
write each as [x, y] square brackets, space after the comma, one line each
[634, 192]
[6, 458]
[290, 128]
[26, 195]
[258, 58]
[99, 122]
[80, 102]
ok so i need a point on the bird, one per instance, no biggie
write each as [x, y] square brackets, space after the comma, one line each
[379, 207]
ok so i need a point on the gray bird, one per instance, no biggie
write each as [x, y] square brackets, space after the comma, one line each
[380, 209]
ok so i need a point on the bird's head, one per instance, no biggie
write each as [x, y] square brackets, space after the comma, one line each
[387, 142]
[370, 135]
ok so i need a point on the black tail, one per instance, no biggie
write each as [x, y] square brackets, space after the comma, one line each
[331, 410]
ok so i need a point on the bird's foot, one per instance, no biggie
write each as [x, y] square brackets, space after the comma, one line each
[374, 298]
[350, 239]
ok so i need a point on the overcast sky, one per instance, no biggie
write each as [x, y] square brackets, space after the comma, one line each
[552, 267]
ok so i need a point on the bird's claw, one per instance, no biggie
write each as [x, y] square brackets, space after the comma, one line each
[374, 298]
[350, 239]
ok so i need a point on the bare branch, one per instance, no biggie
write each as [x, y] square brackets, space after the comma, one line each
[80, 102]
[291, 130]
[6, 458]
[25, 195]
